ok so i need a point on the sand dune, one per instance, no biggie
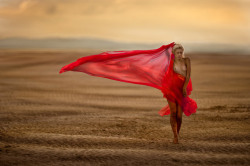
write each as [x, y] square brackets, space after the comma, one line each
[47, 118]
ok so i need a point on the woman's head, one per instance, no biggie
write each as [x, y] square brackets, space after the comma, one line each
[178, 51]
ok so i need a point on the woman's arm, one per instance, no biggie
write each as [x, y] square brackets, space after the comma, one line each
[188, 63]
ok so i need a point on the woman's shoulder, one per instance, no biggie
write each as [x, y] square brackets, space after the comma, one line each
[187, 59]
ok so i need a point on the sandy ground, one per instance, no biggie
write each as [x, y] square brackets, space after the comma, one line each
[47, 118]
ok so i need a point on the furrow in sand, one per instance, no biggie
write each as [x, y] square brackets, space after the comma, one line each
[106, 142]
[132, 156]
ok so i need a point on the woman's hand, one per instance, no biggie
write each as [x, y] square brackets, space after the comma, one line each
[184, 91]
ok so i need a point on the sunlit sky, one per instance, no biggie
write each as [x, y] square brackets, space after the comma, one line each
[219, 21]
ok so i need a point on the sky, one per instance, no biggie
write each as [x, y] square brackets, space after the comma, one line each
[142, 21]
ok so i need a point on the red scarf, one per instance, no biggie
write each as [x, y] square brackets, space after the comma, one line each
[145, 67]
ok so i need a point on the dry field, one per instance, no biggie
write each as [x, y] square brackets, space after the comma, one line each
[47, 118]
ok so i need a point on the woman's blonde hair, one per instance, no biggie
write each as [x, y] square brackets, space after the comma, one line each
[177, 46]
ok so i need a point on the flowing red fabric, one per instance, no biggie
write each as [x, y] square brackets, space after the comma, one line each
[145, 67]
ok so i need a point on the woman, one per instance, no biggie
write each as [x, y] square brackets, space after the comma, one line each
[176, 89]
[152, 68]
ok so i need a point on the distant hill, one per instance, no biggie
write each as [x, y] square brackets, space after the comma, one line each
[69, 43]
[92, 43]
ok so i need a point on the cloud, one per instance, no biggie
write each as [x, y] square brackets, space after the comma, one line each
[128, 20]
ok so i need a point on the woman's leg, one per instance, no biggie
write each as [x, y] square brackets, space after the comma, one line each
[179, 118]
[173, 120]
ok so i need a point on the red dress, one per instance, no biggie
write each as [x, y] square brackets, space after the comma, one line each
[145, 67]
[172, 90]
